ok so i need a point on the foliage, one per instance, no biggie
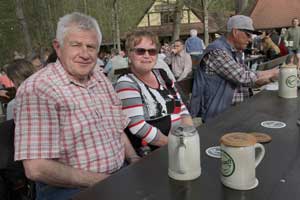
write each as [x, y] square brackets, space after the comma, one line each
[9, 31]
[42, 16]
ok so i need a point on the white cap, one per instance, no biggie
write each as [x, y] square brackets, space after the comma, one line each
[241, 22]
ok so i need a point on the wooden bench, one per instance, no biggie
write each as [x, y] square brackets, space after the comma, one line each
[273, 63]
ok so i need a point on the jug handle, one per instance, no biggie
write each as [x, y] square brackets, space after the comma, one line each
[260, 154]
[181, 156]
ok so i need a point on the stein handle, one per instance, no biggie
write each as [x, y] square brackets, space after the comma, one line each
[181, 156]
[260, 155]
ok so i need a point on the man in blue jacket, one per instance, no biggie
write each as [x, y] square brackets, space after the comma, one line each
[222, 79]
[195, 47]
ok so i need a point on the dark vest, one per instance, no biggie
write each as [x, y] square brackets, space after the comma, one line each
[212, 94]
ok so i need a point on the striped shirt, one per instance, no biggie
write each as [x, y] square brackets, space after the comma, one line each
[143, 104]
[220, 63]
[79, 125]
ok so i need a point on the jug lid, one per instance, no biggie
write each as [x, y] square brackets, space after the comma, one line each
[238, 139]
[184, 130]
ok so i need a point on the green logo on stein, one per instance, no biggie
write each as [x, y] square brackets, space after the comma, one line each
[291, 81]
[227, 166]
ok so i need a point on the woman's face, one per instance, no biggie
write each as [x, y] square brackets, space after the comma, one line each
[143, 56]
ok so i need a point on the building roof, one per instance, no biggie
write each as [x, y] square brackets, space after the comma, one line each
[269, 14]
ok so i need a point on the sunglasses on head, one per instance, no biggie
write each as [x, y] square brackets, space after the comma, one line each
[142, 51]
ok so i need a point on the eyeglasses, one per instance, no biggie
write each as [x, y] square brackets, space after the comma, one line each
[142, 51]
[249, 35]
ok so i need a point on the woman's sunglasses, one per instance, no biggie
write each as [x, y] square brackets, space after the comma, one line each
[142, 51]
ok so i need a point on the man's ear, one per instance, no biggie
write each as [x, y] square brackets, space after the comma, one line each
[55, 45]
[234, 32]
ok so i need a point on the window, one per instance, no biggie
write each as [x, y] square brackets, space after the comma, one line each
[166, 17]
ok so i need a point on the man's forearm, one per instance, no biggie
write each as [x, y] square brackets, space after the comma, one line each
[57, 174]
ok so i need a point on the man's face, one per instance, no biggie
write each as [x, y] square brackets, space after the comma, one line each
[242, 39]
[78, 55]
[178, 47]
[295, 22]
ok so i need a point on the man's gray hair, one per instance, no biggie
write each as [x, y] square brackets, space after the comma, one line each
[193, 32]
[77, 20]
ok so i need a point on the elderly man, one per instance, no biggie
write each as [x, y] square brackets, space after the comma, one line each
[180, 61]
[69, 120]
[292, 38]
[194, 46]
[222, 80]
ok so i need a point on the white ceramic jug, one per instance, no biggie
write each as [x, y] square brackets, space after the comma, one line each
[288, 81]
[184, 153]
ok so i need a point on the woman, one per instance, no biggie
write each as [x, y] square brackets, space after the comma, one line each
[18, 71]
[149, 97]
[270, 49]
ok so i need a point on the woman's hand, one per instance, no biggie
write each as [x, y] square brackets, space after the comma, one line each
[161, 139]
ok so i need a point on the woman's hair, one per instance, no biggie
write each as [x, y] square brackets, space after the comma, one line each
[19, 70]
[136, 37]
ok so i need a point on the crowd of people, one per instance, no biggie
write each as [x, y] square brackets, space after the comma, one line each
[76, 122]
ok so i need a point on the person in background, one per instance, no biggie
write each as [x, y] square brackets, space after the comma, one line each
[115, 62]
[51, 58]
[269, 48]
[292, 38]
[281, 43]
[35, 59]
[69, 121]
[5, 82]
[161, 64]
[274, 35]
[195, 47]
[100, 61]
[179, 60]
[149, 96]
[222, 79]
[6, 85]
[18, 71]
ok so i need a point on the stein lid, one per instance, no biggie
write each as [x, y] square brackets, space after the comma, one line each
[185, 130]
[238, 139]
[261, 137]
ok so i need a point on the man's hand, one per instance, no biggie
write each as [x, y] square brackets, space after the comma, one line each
[58, 174]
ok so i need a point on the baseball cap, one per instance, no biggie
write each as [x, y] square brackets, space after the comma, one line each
[241, 22]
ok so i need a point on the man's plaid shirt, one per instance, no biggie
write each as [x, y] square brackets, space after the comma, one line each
[78, 125]
[219, 62]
